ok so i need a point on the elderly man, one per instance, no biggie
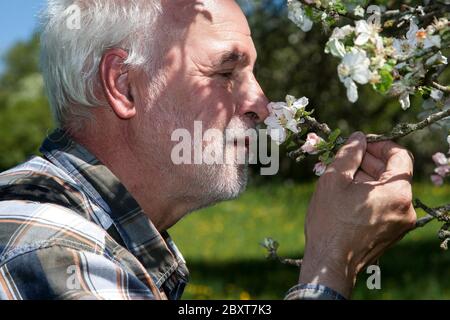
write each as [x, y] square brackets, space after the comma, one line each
[88, 219]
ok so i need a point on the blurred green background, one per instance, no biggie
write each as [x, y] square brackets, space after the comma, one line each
[221, 244]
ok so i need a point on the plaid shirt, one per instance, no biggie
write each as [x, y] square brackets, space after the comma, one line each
[70, 230]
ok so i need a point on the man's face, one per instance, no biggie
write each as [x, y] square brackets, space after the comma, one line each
[208, 73]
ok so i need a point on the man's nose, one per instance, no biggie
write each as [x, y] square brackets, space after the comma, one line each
[253, 102]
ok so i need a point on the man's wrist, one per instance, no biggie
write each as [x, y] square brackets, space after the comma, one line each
[330, 275]
[313, 292]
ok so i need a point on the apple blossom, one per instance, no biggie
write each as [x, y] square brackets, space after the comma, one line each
[312, 141]
[320, 168]
[405, 47]
[298, 16]
[443, 171]
[282, 117]
[440, 159]
[368, 32]
[415, 38]
[354, 68]
[448, 141]
[402, 90]
[437, 180]
[359, 11]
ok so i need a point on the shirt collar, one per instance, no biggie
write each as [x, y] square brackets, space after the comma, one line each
[156, 251]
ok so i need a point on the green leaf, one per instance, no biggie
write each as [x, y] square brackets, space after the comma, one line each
[325, 156]
[334, 135]
[386, 81]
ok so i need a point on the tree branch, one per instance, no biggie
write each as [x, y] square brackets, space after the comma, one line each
[403, 129]
[439, 213]
[399, 131]
[438, 86]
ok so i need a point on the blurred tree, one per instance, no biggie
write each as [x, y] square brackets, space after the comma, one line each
[24, 113]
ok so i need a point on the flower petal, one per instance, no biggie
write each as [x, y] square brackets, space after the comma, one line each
[352, 90]
[404, 101]
[362, 39]
[278, 135]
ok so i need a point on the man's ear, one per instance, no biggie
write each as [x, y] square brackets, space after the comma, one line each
[115, 83]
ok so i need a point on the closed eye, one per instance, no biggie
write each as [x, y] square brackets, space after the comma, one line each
[227, 75]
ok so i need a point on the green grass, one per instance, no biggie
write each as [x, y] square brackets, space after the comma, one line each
[221, 246]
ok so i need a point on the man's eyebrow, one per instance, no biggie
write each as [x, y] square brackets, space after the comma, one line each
[231, 57]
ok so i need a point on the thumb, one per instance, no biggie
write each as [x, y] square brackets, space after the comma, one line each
[350, 156]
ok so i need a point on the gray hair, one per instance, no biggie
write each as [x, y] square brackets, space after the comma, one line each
[70, 57]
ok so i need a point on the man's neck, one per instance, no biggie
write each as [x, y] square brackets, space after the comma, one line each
[148, 187]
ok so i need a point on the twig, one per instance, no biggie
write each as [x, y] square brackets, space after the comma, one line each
[271, 246]
[439, 213]
[399, 131]
[313, 124]
[403, 129]
[347, 15]
[438, 86]
[424, 221]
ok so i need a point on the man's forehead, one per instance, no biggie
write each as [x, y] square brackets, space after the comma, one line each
[224, 14]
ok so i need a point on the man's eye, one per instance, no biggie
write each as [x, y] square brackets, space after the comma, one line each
[226, 75]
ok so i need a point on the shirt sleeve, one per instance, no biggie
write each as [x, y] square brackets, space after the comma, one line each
[61, 273]
[312, 292]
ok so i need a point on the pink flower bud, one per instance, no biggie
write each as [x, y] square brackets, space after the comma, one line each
[443, 171]
[319, 168]
[440, 159]
[437, 180]
[311, 143]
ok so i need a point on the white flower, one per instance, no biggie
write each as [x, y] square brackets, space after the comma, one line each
[336, 48]
[298, 16]
[359, 11]
[403, 91]
[368, 32]
[415, 38]
[404, 100]
[448, 141]
[301, 103]
[341, 33]
[283, 116]
[404, 48]
[354, 68]
[334, 44]
[428, 40]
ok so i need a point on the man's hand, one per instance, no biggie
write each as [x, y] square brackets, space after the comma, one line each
[362, 205]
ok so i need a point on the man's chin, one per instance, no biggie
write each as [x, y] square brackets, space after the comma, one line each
[226, 182]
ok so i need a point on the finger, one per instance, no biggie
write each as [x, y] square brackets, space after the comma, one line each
[373, 166]
[362, 177]
[349, 157]
[397, 159]
[381, 149]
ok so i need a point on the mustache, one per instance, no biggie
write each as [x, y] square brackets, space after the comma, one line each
[239, 130]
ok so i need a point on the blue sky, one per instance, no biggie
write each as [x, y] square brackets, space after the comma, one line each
[18, 20]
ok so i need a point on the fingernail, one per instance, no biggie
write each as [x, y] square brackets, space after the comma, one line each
[357, 136]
